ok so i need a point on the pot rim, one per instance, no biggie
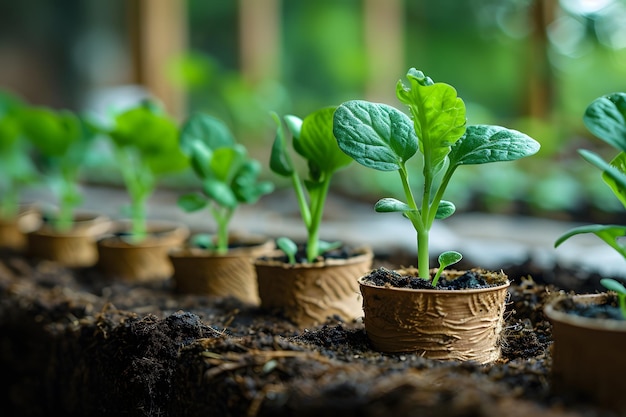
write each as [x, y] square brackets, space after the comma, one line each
[554, 314]
[361, 254]
[252, 244]
[362, 283]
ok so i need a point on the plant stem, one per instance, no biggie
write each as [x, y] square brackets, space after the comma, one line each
[222, 218]
[317, 212]
[302, 202]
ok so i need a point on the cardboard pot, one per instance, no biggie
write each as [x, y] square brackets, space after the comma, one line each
[308, 293]
[464, 325]
[75, 247]
[146, 260]
[13, 231]
[200, 271]
[588, 354]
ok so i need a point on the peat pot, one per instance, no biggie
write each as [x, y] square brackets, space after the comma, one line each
[588, 353]
[308, 293]
[201, 271]
[13, 231]
[146, 260]
[76, 247]
[464, 325]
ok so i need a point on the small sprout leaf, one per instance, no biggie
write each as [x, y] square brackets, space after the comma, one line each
[446, 259]
[280, 162]
[328, 246]
[391, 205]
[192, 202]
[220, 192]
[613, 285]
[294, 124]
[202, 240]
[445, 210]
[289, 247]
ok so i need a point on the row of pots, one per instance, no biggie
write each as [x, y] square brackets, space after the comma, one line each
[459, 325]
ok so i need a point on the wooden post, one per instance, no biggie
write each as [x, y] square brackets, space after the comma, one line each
[259, 34]
[158, 33]
[384, 43]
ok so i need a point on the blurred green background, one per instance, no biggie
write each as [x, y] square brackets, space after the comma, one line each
[531, 65]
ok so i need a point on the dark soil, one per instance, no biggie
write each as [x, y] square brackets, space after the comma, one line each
[470, 279]
[73, 343]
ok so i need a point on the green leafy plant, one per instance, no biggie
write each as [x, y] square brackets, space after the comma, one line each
[146, 147]
[228, 175]
[61, 143]
[382, 137]
[605, 117]
[613, 285]
[313, 140]
[16, 167]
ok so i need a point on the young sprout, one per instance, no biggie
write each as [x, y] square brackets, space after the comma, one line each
[229, 176]
[613, 285]
[381, 137]
[313, 140]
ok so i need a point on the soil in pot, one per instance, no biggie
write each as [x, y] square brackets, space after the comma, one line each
[147, 260]
[308, 293]
[75, 247]
[588, 353]
[460, 319]
[204, 272]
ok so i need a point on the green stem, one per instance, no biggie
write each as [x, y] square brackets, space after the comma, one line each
[439, 195]
[222, 218]
[139, 229]
[317, 213]
[622, 304]
[302, 202]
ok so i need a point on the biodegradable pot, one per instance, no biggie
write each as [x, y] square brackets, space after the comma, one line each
[200, 271]
[588, 354]
[464, 325]
[308, 293]
[13, 231]
[146, 260]
[76, 247]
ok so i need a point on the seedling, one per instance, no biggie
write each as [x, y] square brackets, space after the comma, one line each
[146, 147]
[381, 137]
[61, 141]
[313, 140]
[619, 289]
[229, 176]
[16, 168]
[605, 117]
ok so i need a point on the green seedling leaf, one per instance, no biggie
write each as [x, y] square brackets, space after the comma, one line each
[438, 116]
[280, 162]
[613, 285]
[328, 246]
[245, 186]
[605, 117]
[200, 158]
[375, 135]
[226, 162]
[391, 205]
[192, 202]
[446, 259]
[289, 247]
[611, 234]
[317, 144]
[294, 124]
[206, 129]
[203, 241]
[483, 144]
[612, 174]
[220, 192]
[445, 210]
[616, 182]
